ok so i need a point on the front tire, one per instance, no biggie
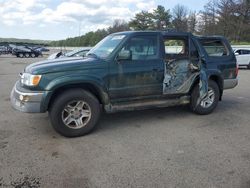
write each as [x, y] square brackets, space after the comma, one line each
[74, 113]
[209, 103]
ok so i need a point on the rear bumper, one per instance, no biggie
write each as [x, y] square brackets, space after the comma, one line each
[230, 83]
[25, 100]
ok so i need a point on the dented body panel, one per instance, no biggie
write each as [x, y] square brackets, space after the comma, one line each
[154, 74]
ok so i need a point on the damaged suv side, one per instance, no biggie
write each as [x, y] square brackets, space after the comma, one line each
[128, 71]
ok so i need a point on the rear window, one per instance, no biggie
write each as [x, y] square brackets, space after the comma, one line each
[214, 47]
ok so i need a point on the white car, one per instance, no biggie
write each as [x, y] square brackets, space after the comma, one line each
[243, 57]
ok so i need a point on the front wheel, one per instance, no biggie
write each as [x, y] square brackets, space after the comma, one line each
[209, 103]
[74, 113]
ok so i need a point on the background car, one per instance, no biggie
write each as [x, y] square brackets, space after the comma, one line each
[80, 52]
[243, 57]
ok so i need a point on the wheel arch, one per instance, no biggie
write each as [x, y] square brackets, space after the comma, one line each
[101, 96]
[216, 78]
[219, 80]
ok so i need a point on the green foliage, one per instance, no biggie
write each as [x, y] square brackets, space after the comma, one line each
[230, 18]
[158, 20]
[26, 41]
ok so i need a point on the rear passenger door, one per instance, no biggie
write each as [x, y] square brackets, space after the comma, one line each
[181, 64]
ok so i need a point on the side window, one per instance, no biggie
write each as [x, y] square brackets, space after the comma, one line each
[176, 47]
[142, 48]
[238, 51]
[214, 47]
[246, 51]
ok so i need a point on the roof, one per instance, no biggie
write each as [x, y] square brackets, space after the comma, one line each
[167, 32]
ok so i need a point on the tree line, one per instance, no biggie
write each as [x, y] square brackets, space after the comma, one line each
[230, 18]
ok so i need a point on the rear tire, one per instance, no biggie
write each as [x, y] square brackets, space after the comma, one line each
[27, 55]
[207, 105]
[74, 113]
[32, 55]
[20, 55]
[248, 66]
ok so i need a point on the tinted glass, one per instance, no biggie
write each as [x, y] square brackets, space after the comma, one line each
[142, 48]
[214, 47]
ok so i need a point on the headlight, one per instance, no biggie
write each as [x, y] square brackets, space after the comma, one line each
[30, 80]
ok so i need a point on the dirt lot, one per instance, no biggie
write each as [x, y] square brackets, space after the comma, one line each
[169, 147]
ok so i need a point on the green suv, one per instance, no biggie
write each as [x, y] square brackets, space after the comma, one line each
[128, 71]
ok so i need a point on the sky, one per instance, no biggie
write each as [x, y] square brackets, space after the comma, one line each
[60, 19]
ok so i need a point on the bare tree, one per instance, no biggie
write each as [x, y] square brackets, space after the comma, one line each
[192, 22]
[118, 25]
[179, 15]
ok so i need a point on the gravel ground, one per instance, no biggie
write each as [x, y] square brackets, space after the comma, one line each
[168, 147]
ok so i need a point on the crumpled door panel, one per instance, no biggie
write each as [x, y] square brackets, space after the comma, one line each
[178, 76]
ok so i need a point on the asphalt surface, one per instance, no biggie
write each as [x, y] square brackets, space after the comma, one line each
[168, 147]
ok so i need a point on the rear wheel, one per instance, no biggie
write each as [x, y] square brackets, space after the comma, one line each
[209, 103]
[20, 55]
[248, 66]
[74, 113]
[27, 55]
[32, 55]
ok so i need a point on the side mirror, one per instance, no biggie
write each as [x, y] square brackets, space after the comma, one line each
[124, 55]
[236, 53]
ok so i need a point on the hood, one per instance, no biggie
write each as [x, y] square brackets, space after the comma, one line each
[62, 64]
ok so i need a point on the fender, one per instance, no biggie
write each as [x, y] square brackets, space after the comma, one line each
[76, 79]
[216, 75]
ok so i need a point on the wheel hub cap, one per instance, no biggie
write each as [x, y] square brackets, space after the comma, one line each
[76, 114]
[209, 99]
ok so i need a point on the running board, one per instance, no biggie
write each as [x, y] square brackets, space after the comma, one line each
[146, 104]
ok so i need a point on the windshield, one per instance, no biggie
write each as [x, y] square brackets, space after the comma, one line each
[68, 54]
[106, 46]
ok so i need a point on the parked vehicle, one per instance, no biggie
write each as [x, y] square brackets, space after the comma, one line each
[243, 57]
[25, 51]
[128, 71]
[5, 49]
[80, 52]
[41, 49]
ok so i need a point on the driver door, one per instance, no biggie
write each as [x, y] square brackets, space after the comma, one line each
[140, 75]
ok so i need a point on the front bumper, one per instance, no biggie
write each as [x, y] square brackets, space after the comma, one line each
[25, 100]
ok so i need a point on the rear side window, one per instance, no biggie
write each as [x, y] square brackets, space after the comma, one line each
[245, 51]
[176, 47]
[214, 47]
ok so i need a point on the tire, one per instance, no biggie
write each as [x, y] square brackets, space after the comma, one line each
[66, 117]
[248, 66]
[20, 55]
[32, 55]
[204, 107]
[26, 55]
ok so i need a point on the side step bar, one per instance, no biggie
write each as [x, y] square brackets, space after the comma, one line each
[146, 104]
